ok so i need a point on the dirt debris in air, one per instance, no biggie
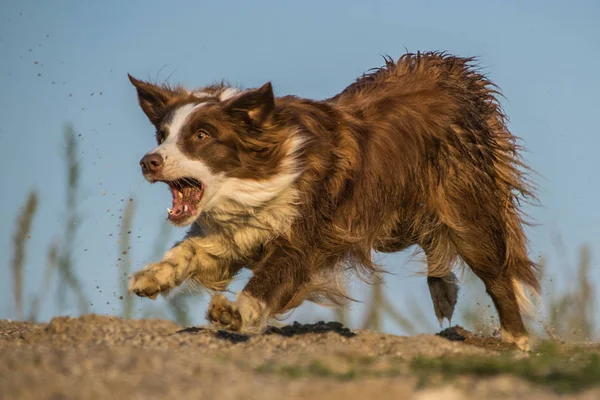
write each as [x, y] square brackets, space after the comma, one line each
[100, 357]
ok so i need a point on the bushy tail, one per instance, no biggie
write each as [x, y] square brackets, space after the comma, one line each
[523, 271]
[523, 290]
[512, 178]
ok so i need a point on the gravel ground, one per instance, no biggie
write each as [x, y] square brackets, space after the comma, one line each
[103, 357]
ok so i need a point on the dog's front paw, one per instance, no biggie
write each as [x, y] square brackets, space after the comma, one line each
[144, 284]
[224, 314]
[152, 280]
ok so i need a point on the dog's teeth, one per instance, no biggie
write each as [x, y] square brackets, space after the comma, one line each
[169, 211]
[185, 208]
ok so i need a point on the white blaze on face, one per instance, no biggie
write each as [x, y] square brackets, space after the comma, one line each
[176, 164]
[180, 118]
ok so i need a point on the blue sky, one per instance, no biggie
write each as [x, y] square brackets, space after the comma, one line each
[66, 62]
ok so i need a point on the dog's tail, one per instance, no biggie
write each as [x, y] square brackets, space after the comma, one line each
[512, 179]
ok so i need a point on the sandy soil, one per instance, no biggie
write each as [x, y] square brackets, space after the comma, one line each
[102, 357]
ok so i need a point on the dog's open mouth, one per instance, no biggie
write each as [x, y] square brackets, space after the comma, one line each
[187, 193]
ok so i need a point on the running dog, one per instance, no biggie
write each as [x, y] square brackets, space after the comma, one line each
[301, 192]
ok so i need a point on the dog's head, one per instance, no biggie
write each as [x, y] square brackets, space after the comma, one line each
[216, 146]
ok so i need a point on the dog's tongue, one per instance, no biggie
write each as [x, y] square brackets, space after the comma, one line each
[177, 209]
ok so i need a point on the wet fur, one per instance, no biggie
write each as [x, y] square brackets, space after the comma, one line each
[414, 153]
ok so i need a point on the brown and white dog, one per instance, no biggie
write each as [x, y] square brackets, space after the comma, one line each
[300, 191]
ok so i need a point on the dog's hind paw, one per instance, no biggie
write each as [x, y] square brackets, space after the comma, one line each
[444, 293]
[521, 341]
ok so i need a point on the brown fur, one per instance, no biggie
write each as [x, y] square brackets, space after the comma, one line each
[414, 153]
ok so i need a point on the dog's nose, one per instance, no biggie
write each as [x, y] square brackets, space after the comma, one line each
[151, 163]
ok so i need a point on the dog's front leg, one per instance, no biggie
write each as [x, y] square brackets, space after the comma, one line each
[189, 259]
[276, 284]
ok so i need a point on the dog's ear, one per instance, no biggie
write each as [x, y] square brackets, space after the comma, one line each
[153, 99]
[258, 104]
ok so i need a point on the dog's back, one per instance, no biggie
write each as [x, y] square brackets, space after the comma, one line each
[439, 139]
[427, 159]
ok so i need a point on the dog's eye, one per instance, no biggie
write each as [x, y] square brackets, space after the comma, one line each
[160, 136]
[202, 134]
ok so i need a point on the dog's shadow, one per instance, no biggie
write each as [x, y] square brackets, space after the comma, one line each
[288, 331]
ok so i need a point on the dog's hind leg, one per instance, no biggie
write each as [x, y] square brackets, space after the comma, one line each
[441, 254]
[442, 283]
[501, 264]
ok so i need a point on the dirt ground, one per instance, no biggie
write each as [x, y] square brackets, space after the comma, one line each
[102, 357]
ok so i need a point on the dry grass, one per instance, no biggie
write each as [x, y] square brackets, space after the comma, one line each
[68, 278]
[48, 273]
[124, 261]
[572, 312]
[23, 228]
[380, 306]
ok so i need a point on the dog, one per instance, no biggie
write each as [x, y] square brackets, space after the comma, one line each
[301, 192]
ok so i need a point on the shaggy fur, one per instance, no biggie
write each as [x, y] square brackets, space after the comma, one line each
[414, 153]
